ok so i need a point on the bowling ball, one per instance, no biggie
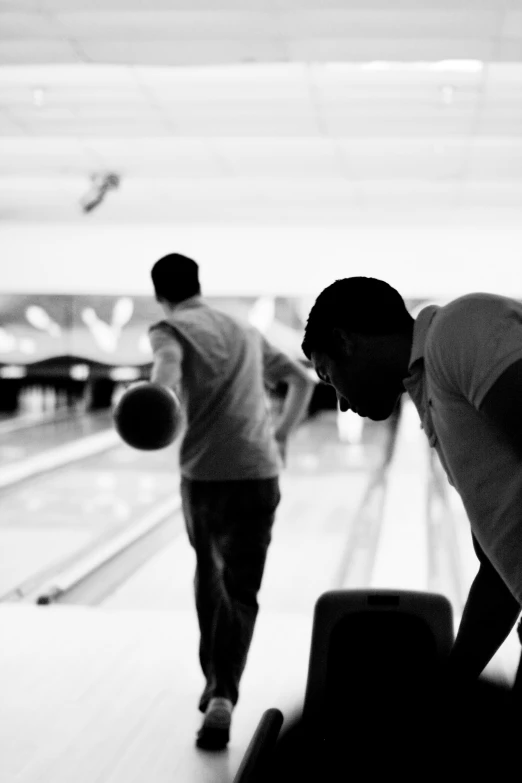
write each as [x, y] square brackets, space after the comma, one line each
[148, 416]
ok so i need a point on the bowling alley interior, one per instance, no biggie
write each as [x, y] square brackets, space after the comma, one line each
[282, 145]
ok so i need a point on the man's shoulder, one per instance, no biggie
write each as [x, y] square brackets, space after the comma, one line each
[473, 313]
[465, 328]
[205, 320]
[482, 302]
[160, 326]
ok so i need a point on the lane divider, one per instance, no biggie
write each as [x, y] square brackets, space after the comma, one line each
[28, 420]
[417, 548]
[98, 563]
[401, 559]
[58, 457]
[447, 573]
[361, 545]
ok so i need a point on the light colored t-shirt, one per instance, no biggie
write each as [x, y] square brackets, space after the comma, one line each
[458, 353]
[225, 367]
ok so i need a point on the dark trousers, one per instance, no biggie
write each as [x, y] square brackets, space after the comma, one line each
[229, 524]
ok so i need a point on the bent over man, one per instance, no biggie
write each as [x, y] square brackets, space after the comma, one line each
[462, 366]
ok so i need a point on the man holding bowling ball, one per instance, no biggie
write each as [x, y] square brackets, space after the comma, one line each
[230, 458]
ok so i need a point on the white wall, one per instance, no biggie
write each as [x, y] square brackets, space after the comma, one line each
[431, 261]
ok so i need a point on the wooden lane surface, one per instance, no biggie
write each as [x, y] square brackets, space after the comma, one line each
[110, 694]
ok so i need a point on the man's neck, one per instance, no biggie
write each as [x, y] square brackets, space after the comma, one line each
[171, 307]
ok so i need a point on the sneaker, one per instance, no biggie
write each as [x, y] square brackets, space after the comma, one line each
[214, 733]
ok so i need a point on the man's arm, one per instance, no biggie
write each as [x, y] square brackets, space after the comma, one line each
[168, 358]
[297, 400]
[491, 610]
[490, 613]
[279, 368]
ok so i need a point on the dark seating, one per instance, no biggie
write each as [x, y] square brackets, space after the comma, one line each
[373, 656]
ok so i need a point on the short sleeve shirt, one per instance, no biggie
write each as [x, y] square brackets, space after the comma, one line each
[225, 368]
[458, 353]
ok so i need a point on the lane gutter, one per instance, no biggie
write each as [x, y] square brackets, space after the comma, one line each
[92, 576]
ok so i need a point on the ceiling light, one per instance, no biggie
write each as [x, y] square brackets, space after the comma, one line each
[124, 373]
[453, 66]
[377, 65]
[458, 66]
[80, 372]
[13, 371]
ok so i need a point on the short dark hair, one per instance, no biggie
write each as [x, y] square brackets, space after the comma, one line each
[360, 305]
[175, 278]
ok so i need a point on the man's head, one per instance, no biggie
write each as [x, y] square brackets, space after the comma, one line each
[175, 278]
[358, 337]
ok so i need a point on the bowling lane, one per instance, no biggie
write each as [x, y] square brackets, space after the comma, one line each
[322, 491]
[151, 656]
[22, 444]
[114, 694]
[55, 516]
[321, 496]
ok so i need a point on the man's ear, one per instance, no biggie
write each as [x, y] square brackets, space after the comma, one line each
[342, 341]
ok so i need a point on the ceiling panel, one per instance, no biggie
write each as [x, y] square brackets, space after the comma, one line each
[156, 5]
[18, 25]
[259, 5]
[387, 22]
[265, 202]
[281, 158]
[401, 49]
[508, 51]
[192, 52]
[179, 201]
[497, 199]
[170, 26]
[417, 159]
[321, 23]
[37, 50]
[219, 32]
[302, 102]
[498, 159]
[262, 110]
[396, 196]
[277, 158]
[512, 24]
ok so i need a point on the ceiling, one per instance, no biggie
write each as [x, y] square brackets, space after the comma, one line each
[262, 111]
